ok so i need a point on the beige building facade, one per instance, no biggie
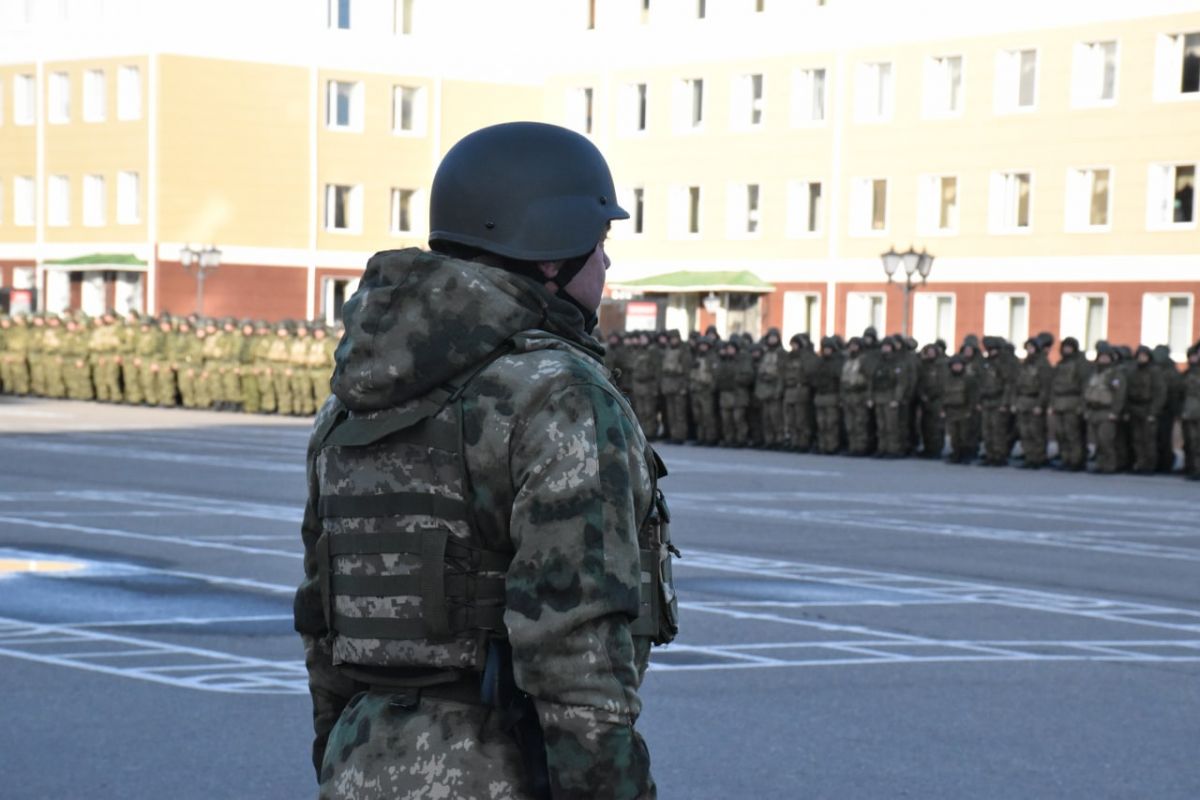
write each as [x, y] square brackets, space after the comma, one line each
[1045, 154]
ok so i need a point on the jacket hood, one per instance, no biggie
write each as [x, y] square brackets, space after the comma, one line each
[418, 319]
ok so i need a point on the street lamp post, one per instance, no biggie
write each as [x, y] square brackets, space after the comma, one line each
[914, 263]
[200, 262]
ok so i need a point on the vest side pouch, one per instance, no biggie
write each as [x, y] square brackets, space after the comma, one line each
[658, 613]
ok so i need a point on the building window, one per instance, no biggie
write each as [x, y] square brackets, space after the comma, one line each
[689, 104]
[808, 96]
[748, 102]
[95, 210]
[344, 109]
[343, 208]
[1016, 80]
[1172, 190]
[632, 112]
[744, 217]
[95, 97]
[24, 100]
[580, 109]
[801, 314]
[937, 204]
[1011, 201]
[638, 212]
[1088, 199]
[1084, 316]
[701, 9]
[404, 210]
[866, 310]
[1006, 315]
[408, 109]
[876, 92]
[60, 98]
[933, 317]
[129, 211]
[23, 200]
[339, 15]
[685, 211]
[868, 206]
[804, 208]
[1178, 66]
[944, 86]
[402, 17]
[58, 199]
[1167, 319]
[129, 93]
[1094, 77]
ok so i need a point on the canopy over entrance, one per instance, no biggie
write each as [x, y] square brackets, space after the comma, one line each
[99, 261]
[689, 281]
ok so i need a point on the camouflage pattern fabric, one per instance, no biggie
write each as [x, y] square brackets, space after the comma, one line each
[560, 476]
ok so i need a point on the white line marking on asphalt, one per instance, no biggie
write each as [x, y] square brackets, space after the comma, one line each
[141, 454]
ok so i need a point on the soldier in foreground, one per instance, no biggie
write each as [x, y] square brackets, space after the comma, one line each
[482, 501]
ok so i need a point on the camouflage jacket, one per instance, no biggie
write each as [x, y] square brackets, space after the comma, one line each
[559, 475]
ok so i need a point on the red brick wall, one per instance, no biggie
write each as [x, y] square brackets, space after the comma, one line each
[238, 290]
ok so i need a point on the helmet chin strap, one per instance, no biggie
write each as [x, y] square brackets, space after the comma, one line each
[566, 273]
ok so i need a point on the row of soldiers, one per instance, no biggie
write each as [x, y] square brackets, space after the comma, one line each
[202, 363]
[888, 398]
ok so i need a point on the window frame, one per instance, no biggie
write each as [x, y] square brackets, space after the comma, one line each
[95, 96]
[990, 329]
[1072, 214]
[932, 90]
[881, 324]
[420, 110]
[685, 106]
[1002, 105]
[355, 112]
[996, 225]
[1079, 98]
[58, 205]
[1168, 68]
[25, 99]
[862, 114]
[929, 204]
[129, 92]
[1155, 223]
[353, 211]
[1074, 324]
[863, 187]
[58, 98]
[799, 209]
[95, 207]
[126, 200]
[24, 188]
[742, 102]
[801, 92]
[396, 193]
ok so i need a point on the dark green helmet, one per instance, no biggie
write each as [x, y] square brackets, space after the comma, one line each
[524, 190]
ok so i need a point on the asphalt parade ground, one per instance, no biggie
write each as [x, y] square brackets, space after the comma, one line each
[851, 628]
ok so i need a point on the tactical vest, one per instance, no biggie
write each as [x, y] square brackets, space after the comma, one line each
[1099, 393]
[406, 581]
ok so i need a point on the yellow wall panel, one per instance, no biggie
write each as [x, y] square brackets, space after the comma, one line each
[18, 155]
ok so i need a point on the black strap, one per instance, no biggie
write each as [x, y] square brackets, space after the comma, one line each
[433, 588]
[459, 588]
[427, 429]
[393, 504]
[379, 628]
[646, 623]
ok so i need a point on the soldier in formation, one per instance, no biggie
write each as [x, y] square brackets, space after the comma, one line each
[168, 361]
[884, 397]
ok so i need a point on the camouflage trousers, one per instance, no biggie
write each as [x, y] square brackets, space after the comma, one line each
[829, 423]
[1032, 430]
[1070, 431]
[1108, 446]
[997, 435]
[188, 376]
[735, 424]
[675, 407]
[265, 374]
[319, 378]
[16, 374]
[129, 381]
[281, 381]
[383, 748]
[774, 432]
[163, 386]
[798, 420]
[963, 427]
[891, 426]
[303, 395]
[77, 377]
[52, 371]
[645, 407]
[106, 375]
[251, 391]
[933, 429]
[1191, 448]
[860, 425]
[704, 412]
[1143, 438]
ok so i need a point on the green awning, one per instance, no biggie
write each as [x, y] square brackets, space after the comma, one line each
[688, 281]
[99, 260]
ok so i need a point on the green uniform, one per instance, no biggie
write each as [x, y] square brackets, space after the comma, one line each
[827, 401]
[931, 390]
[889, 387]
[799, 420]
[52, 359]
[1146, 402]
[303, 400]
[1189, 416]
[995, 387]
[768, 390]
[644, 376]
[1031, 399]
[77, 370]
[702, 391]
[280, 371]
[560, 479]
[1105, 399]
[1067, 383]
[675, 364]
[855, 400]
[960, 400]
[735, 379]
[14, 357]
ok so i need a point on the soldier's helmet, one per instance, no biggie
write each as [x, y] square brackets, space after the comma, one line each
[1045, 340]
[1069, 343]
[524, 190]
[798, 339]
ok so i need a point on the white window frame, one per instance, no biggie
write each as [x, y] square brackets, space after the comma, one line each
[744, 218]
[129, 92]
[1007, 87]
[404, 16]
[685, 102]
[633, 110]
[1086, 85]
[353, 210]
[581, 109]
[999, 206]
[926, 322]
[335, 15]
[58, 100]
[95, 201]
[58, 201]
[628, 229]
[937, 87]
[1080, 184]
[419, 106]
[799, 209]
[929, 205]
[997, 315]
[95, 96]
[796, 304]
[875, 98]
[858, 312]
[743, 104]
[1168, 68]
[129, 198]
[24, 200]
[1154, 304]
[24, 99]
[680, 213]
[2, 96]
[1160, 196]
[862, 207]
[415, 222]
[803, 95]
[1073, 318]
[354, 113]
